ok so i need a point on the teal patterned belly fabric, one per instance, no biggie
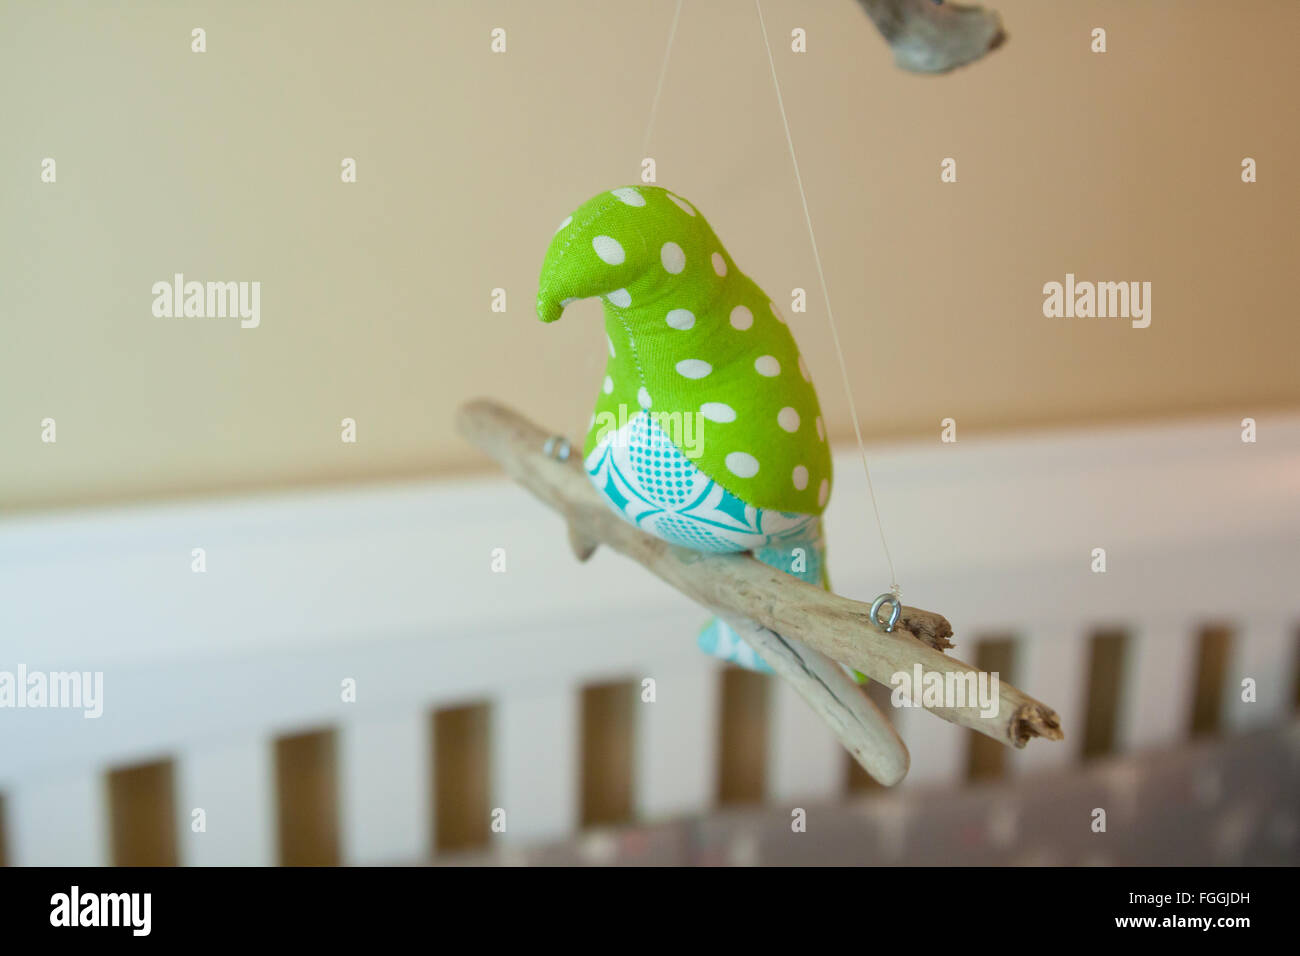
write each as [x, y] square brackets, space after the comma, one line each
[646, 478]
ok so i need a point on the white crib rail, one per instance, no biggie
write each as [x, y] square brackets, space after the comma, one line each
[392, 587]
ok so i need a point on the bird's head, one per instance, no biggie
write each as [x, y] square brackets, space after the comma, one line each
[630, 246]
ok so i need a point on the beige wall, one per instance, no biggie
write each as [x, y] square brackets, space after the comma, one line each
[375, 296]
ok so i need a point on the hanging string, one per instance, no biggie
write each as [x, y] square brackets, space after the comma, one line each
[830, 316]
[663, 72]
[597, 358]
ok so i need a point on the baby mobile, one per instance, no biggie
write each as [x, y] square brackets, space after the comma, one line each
[735, 522]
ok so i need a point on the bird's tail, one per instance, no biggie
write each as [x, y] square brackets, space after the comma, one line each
[801, 553]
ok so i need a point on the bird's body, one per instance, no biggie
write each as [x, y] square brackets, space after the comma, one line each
[707, 430]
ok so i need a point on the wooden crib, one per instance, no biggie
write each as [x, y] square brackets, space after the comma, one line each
[421, 597]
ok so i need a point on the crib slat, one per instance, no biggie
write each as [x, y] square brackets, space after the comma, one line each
[1263, 649]
[1159, 673]
[386, 804]
[59, 822]
[677, 738]
[233, 786]
[535, 744]
[1052, 663]
[805, 760]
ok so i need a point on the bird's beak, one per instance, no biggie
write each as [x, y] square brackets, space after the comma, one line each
[596, 251]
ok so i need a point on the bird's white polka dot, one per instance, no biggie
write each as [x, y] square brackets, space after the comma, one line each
[719, 264]
[620, 297]
[800, 477]
[564, 225]
[767, 366]
[718, 412]
[823, 492]
[788, 419]
[741, 464]
[609, 250]
[682, 204]
[821, 428]
[643, 397]
[741, 318]
[681, 319]
[609, 385]
[672, 257]
[629, 196]
[803, 370]
[693, 368]
[612, 353]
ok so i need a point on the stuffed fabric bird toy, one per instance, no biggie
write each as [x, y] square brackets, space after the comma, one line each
[707, 431]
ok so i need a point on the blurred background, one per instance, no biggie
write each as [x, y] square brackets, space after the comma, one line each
[333, 559]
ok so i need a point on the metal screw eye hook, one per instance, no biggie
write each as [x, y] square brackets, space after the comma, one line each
[895, 609]
[557, 447]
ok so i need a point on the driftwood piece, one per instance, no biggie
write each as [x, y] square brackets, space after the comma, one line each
[739, 588]
[930, 37]
[853, 716]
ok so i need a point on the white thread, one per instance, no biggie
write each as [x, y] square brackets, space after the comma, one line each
[663, 72]
[830, 316]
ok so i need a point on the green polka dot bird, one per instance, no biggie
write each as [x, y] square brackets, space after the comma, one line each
[707, 431]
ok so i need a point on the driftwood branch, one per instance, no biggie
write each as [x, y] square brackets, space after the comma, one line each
[750, 595]
[930, 37]
[853, 716]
